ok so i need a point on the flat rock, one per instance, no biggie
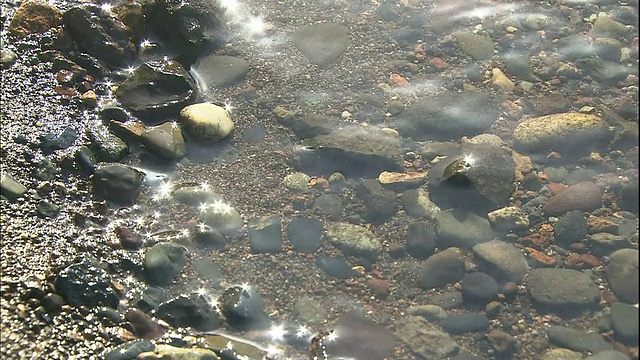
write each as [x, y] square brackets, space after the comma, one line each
[624, 321]
[502, 260]
[425, 339]
[561, 132]
[465, 323]
[477, 46]
[353, 240]
[10, 187]
[304, 234]
[117, 182]
[441, 269]
[265, 234]
[577, 340]
[459, 228]
[322, 43]
[584, 196]
[219, 71]
[562, 290]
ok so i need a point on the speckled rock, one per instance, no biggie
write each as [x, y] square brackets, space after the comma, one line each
[353, 240]
[508, 218]
[560, 132]
[584, 196]
[561, 354]
[501, 259]
[425, 339]
[206, 121]
[34, 17]
[477, 46]
[562, 290]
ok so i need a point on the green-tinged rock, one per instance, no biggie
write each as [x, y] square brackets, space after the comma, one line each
[11, 188]
[206, 121]
[354, 240]
[165, 141]
[163, 262]
[477, 46]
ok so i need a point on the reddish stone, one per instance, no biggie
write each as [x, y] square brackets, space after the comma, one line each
[380, 288]
[581, 261]
[34, 17]
[539, 240]
[555, 188]
[585, 196]
[438, 62]
[541, 258]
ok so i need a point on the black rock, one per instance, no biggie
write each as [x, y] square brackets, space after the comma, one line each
[157, 90]
[152, 297]
[86, 160]
[47, 209]
[570, 228]
[243, 308]
[129, 350]
[163, 262]
[304, 234]
[334, 266]
[192, 310]
[464, 323]
[50, 142]
[117, 182]
[86, 283]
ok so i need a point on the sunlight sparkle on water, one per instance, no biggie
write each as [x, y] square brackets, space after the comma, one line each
[228, 107]
[255, 25]
[469, 159]
[106, 7]
[277, 332]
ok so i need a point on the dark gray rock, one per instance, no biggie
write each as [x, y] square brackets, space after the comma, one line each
[518, 64]
[163, 262]
[577, 340]
[502, 260]
[380, 203]
[322, 43]
[362, 338]
[107, 146]
[208, 236]
[86, 160]
[158, 89]
[304, 234]
[265, 234]
[425, 339]
[459, 228]
[335, 266]
[45, 170]
[441, 269]
[624, 321]
[11, 188]
[86, 283]
[129, 350]
[117, 182]
[449, 115]
[479, 178]
[190, 310]
[447, 300]
[219, 71]
[328, 204]
[51, 142]
[629, 197]
[464, 323]
[352, 152]
[165, 141]
[479, 288]
[562, 290]
[310, 125]
[622, 275]
[100, 34]
[47, 209]
[151, 298]
[570, 228]
[421, 239]
[243, 308]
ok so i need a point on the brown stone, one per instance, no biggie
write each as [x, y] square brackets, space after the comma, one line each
[541, 258]
[585, 196]
[380, 288]
[34, 17]
[601, 225]
[581, 261]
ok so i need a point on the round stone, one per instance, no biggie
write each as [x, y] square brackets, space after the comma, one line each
[206, 121]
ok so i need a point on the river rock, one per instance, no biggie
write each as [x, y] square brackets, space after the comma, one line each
[100, 34]
[206, 121]
[163, 262]
[380, 203]
[157, 90]
[10, 187]
[107, 146]
[322, 43]
[577, 340]
[622, 275]
[501, 259]
[573, 133]
[219, 71]
[353, 240]
[117, 182]
[86, 283]
[190, 310]
[34, 17]
[562, 290]
[165, 141]
[441, 269]
[583, 196]
[265, 234]
[416, 203]
[477, 46]
[624, 321]
[508, 219]
[304, 234]
[425, 339]
[459, 228]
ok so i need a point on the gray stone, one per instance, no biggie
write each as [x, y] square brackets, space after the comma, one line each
[219, 71]
[304, 234]
[608, 355]
[624, 321]
[328, 204]
[163, 262]
[459, 228]
[447, 300]
[206, 121]
[47, 209]
[322, 43]
[421, 239]
[380, 203]
[577, 340]
[10, 187]
[518, 64]
[562, 354]
[353, 240]
[425, 339]
[477, 46]
[310, 311]
[195, 195]
[570, 228]
[603, 244]
[7, 58]
[464, 323]
[310, 125]
[416, 203]
[508, 219]
[165, 141]
[431, 313]
[117, 182]
[502, 260]
[622, 275]
[562, 290]
[357, 152]
[192, 310]
[221, 216]
[265, 234]
[158, 89]
[441, 269]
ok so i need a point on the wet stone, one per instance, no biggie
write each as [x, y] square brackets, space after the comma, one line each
[322, 43]
[608, 355]
[208, 236]
[86, 161]
[152, 297]
[353, 240]
[328, 204]
[310, 311]
[335, 266]
[34, 17]
[265, 234]
[310, 125]
[304, 234]
[45, 170]
[624, 321]
[195, 195]
[361, 337]
[425, 339]
[129, 350]
[441, 269]
[603, 244]
[297, 181]
[431, 313]
[243, 308]
[208, 270]
[190, 310]
[86, 283]
[11, 188]
[51, 142]
[508, 219]
[459, 228]
[479, 288]
[562, 290]
[206, 122]
[7, 58]
[219, 71]
[380, 203]
[52, 303]
[163, 262]
[143, 325]
[222, 217]
[129, 238]
[416, 203]
[476, 46]
[447, 300]
[165, 141]
[502, 260]
[584, 196]
[570, 228]
[421, 240]
[117, 182]
[164, 351]
[47, 209]
[622, 275]
[577, 340]
[464, 323]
